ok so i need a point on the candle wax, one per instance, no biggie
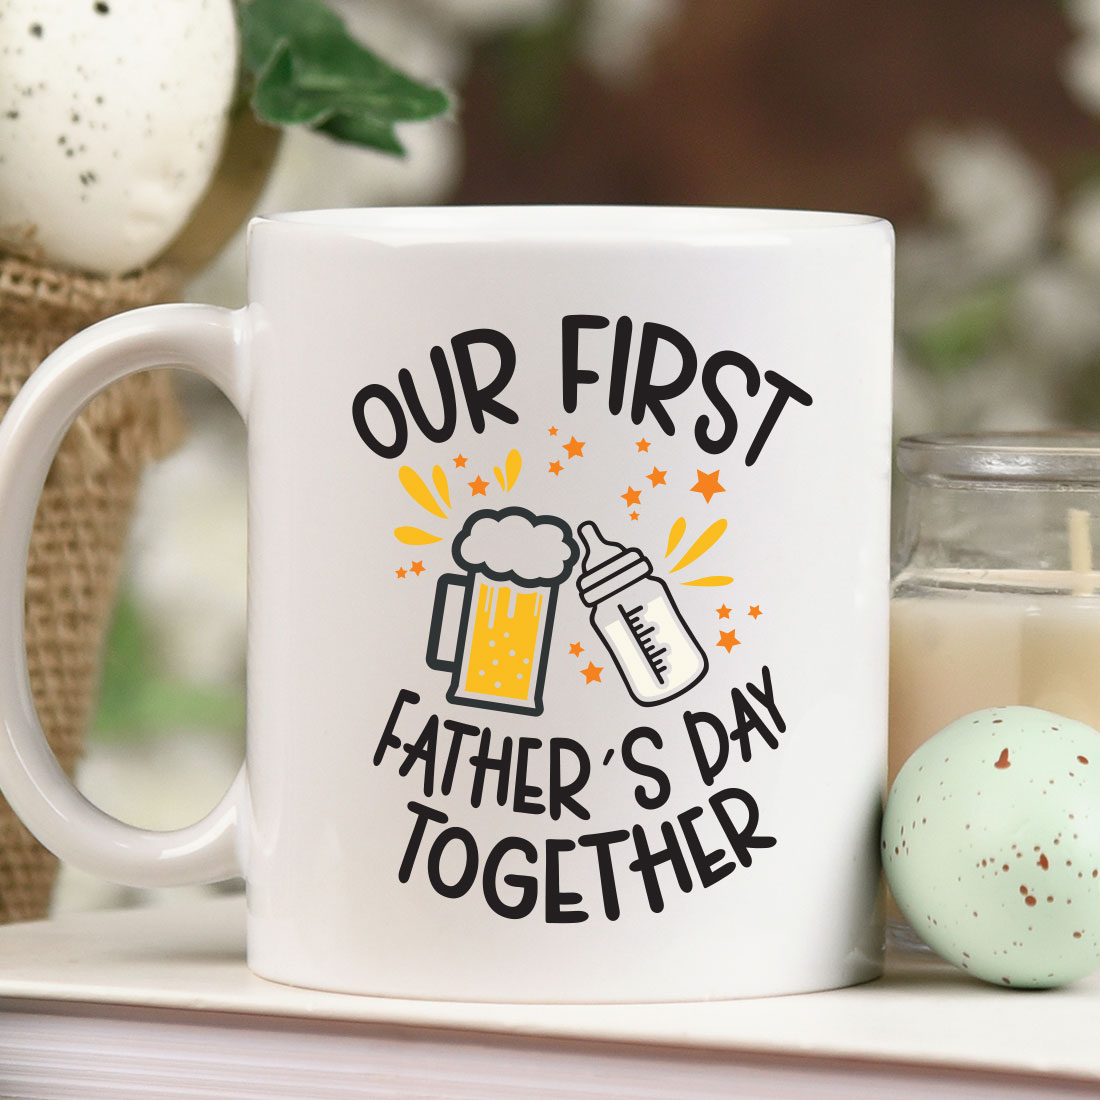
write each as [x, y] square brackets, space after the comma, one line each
[957, 651]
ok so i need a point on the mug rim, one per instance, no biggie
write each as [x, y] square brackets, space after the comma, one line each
[581, 222]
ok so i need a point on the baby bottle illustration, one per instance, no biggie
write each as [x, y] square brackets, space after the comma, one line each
[637, 620]
[491, 626]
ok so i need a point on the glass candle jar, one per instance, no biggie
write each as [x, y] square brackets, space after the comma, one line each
[995, 600]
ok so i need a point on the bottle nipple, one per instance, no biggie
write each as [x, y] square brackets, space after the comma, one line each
[597, 549]
[608, 567]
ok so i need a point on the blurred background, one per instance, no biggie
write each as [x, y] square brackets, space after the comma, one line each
[971, 124]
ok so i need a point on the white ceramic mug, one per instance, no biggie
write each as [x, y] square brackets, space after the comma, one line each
[567, 593]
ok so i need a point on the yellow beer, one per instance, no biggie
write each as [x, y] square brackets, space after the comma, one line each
[503, 641]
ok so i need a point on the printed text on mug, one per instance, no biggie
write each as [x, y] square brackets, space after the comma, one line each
[589, 358]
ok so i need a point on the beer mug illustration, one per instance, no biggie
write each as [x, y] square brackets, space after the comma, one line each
[492, 625]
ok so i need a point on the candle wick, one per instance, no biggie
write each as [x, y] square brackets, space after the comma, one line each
[1080, 551]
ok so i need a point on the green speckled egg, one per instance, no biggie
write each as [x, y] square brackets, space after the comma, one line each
[991, 844]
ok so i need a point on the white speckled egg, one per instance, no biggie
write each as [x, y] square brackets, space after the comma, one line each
[991, 844]
[112, 114]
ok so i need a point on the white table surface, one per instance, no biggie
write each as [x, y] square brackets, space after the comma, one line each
[191, 957]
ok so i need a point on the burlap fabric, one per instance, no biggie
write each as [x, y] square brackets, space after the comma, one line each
[81, 526]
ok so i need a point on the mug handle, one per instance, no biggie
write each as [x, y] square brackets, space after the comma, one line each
[210, 341]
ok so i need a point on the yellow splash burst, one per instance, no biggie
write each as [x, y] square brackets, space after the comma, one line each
[439, 479]
[512, 466]
[696, 550]
[702, 544]
[418, 489]
[414, 485]
[506, 478]
[414, 536]
[675, 534]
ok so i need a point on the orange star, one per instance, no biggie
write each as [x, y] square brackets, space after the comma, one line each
[728, 640]
[592, 673]
[642, 444]
[417, 567]
[633, 515]
[724, 612]
[573, 448]
[401, 574]
[460, 460]
[555, 468]
[657, 477]
[632, 496]
[576, 649]
[553, 431]
[477, 487]
[707, 485]
[755, 611]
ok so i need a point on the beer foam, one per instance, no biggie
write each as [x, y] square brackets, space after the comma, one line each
[513, 544]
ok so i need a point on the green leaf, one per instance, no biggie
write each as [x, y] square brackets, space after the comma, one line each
[308, 71]
[960, 336]
[134, 699]
[533, 64]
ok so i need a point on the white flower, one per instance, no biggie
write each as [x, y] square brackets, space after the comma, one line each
[990, 218]
[409, 35]
[487, 16]
[617, 34]
[1081, 230]
[1002, 393]
[934, 271]
[1081, 66]
[1054, 316]
[988, 193]
[1084, 14]
[1081, 71]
